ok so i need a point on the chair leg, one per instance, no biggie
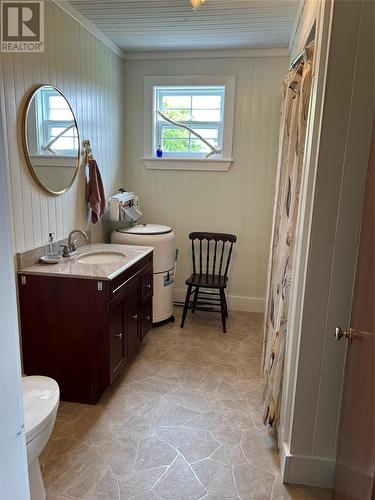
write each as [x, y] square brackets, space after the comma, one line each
[223, 313]
[186, 305]
[226, 305]
[196, 291]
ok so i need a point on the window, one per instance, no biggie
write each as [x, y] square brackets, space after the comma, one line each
[57, 132]
[191, 119]
[198, 107]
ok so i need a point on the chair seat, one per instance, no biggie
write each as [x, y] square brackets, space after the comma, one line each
[207, 280]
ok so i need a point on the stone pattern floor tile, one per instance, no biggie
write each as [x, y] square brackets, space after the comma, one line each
[193, 444]
[153, 452]
[182, 422]
[179, 482]
[217, 478]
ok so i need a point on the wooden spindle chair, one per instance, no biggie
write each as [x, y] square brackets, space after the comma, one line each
[210, 272]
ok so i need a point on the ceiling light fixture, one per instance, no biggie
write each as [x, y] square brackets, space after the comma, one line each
[197, 4]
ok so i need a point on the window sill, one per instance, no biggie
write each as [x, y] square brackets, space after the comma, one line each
[214, 164]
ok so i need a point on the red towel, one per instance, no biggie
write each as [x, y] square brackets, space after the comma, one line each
[95, 196]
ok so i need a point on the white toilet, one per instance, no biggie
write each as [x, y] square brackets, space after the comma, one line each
[41, 396]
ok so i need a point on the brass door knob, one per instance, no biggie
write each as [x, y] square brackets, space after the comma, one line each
[340, 333]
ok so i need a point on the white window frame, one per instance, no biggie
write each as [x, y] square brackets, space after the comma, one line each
[215, 162]
[44, 135]
[201, 90]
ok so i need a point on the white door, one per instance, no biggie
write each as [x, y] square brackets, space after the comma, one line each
[14, 482]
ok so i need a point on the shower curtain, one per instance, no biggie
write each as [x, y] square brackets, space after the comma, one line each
[295, 106]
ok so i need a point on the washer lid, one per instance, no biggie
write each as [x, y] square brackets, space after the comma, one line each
[146, 229]
[40, 399]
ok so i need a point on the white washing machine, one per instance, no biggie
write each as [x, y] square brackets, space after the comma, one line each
[162, 238]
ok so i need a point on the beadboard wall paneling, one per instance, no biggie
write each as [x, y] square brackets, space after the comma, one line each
[91, 77]
[172, 24]
[239, 201]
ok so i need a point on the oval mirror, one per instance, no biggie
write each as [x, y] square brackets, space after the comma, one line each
[51, 139]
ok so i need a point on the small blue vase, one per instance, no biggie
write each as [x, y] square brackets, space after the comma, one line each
[159, 152]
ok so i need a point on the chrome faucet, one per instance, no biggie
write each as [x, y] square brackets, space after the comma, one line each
[70, 248]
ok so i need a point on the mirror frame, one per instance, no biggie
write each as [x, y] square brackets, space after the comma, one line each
[25, 112]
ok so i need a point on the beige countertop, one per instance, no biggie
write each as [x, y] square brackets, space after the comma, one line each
[70, 267]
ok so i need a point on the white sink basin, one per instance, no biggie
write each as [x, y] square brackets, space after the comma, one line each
[100, 258]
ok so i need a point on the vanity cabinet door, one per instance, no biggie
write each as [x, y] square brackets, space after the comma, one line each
[147, 278]
[117, 337]
[131, 315]
[146, 320]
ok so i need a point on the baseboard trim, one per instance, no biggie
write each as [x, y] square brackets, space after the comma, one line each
[307, 470]
[235, 302]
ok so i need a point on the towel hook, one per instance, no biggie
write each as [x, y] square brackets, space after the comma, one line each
[87, 150]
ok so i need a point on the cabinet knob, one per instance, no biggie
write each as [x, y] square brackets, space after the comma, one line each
[118, 335]
[135, 316]
[148, 285]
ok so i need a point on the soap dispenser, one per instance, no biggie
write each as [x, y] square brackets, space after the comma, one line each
[52, 251]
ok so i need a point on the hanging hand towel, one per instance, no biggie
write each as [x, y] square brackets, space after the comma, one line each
[95, 196]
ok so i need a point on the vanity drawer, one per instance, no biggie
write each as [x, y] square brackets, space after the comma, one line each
[117, 285]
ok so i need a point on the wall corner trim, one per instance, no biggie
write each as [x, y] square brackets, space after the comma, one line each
[206, 54]
[83, 21]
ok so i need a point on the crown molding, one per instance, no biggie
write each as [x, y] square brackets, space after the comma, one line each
[83, 21]
[206, 54]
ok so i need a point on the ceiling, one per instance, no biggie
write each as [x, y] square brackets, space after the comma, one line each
[146, 25]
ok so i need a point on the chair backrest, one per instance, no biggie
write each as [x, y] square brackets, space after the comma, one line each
[211, 252]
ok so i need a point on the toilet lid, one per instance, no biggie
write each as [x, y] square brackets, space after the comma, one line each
[40, 400]
[146, 229]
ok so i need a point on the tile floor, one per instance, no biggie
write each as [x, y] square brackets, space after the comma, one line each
[183, 422]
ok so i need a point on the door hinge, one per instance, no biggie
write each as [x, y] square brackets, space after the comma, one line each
[100, 286]
[23, 280]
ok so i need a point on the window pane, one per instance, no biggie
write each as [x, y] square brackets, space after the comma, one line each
[55, 131]
[58, 102]
[60, 115]
[198, 145]
[204, 115]
[175, 145]
[207, 133]
[174, 133]
[176, 101]
[177, 115]
[206, 102]
[199, 107]
[65, 144]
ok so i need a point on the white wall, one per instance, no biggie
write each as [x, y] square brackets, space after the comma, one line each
[239, 201]
[91, 76]
[330, 222]
[13, 462]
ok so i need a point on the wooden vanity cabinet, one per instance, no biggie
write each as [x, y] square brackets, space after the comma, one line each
[82, 332]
